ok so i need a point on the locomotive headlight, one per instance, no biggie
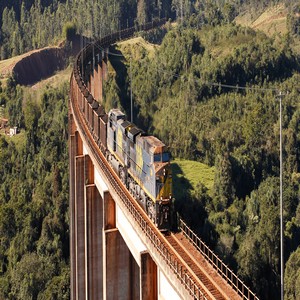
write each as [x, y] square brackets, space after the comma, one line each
[164, 172]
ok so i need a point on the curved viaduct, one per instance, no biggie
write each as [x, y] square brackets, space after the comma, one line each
[115, 250]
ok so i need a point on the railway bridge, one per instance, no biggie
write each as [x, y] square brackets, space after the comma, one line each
[115, 250]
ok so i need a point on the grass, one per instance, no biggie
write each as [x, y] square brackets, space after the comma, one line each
[187, 174]
[55, 80]
[6, 63]
[270, 21]
[136, 47]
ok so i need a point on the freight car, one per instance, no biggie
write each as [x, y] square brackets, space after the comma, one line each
[142, 162]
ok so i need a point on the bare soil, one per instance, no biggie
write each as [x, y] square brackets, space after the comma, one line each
[39, 64]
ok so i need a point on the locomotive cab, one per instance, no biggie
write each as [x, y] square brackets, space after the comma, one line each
[143, 165]
[160, 158]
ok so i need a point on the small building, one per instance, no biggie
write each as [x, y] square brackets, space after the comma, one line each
[13, 131]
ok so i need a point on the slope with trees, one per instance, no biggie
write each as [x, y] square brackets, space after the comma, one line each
[178, 98]
[34, 217]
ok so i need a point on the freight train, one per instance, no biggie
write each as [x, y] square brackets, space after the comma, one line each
[141, 161]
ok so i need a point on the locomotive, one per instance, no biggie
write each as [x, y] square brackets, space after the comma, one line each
[141, 161]
[143, 165]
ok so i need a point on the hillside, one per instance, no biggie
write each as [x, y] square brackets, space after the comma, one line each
[188, 95]
[208, 90]
[271, 21]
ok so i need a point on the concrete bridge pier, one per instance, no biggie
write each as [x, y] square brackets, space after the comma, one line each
[121, 272]
[94, 243]
[148, 277]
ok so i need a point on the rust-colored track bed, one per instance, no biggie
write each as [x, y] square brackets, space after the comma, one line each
[217, 286]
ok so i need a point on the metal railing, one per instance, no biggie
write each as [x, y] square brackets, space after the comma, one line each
[230, 277]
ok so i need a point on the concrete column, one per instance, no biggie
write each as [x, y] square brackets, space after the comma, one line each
[72, 154]
[89, 170]
[94, 223]
[148, 277]
[80, 228]
[75, 148]
[78, 144]
[100, 82]
[96, 85]
[72, 125]
[121, 271]
[109, 209]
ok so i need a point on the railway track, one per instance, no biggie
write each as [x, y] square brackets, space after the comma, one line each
[211, 291]
[168, 246]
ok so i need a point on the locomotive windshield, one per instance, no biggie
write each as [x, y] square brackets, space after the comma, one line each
[165, 157]
[162, 157]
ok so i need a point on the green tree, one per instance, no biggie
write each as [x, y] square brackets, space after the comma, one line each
[223, 185]
[292, 276]
[69, 31]
[30, 275]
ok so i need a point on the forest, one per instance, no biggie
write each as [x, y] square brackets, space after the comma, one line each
[34, 230]
[235, 130]
[210, 91]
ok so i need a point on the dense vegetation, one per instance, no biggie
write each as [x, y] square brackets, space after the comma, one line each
[34, 232]
[177, 97]
[31, 24]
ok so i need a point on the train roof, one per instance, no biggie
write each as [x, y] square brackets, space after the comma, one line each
[135, 130]
[150, 143]
[117, 114]
[125, 124]
[153, 144]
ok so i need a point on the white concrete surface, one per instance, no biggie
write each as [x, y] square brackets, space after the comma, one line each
[132, 240]
[165, 290]
[99, 182]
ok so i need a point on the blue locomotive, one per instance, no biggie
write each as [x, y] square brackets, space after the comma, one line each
[143, 164]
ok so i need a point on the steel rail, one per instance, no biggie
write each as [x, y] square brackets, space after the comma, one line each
[230, 277]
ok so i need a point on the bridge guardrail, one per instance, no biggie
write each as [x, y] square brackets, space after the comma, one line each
[230, 277]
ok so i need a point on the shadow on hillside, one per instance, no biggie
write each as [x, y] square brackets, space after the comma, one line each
[43, 63]
[119, 62]
[190, 206]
